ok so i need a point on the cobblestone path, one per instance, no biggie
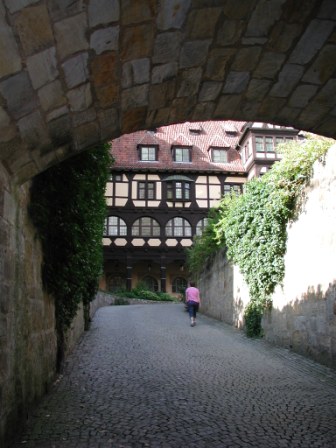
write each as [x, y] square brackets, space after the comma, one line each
[142, 377]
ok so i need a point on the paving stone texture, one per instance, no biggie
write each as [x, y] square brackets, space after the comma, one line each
[142, 377]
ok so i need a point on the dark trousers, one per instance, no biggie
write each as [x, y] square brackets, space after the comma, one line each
[192, 308]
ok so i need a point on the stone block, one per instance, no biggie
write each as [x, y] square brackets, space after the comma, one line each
[19, 95]
[236, 82]
[166, 47]
[51, 96]
[264, 16]
[257, 89]
[137, 12]
[200, 28]
[70, 34]
[226, 106]
[63, 110]
[218, 62]
[60, 9]
[194, 53]
[16, 5]
[7, 128]
[109, 123]
[230, 32]
[84, 117]
[164, 72]
[137, 42]
[86, 135]
[160, 95]
[302, 95]
[135, 72]
[246, 59]
[60, 130]
[134, 97]
[172, 14]
[76, 70]
[189, 82]
[105, 39]
[323, 66]
[269, 65]
[34, 29]
[80, 98]
[289, 77]
[42, 67]
[283, 35]
[210, 90]
[104, 70]
[311, 41]
[203, 111]
[133, 119]
[101, 12]
[32, 130]
[10, 61]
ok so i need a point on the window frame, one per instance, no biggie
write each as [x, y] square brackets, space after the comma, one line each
[155, 230]
[231, 187]
[219, 150]
[185, 150]
[185, 225]
[201, 225]
[143, 186]
[121, 224]
[172, 188]
[178, 289]
[149, 159]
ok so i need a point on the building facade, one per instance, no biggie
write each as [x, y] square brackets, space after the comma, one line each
[163, 183]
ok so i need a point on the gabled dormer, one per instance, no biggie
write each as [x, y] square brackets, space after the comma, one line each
[148, 147]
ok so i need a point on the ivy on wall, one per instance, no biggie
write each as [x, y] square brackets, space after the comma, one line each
[68, 208]
[253, 227]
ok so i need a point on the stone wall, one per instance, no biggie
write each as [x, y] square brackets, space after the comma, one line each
[303, 317]
[224, 293]
[304, 314]
[27, 336]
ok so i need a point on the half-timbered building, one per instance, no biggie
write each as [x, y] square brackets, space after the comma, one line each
[163, 183]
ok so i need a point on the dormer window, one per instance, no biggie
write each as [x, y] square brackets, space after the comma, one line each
[181, 154]
[148, 153]
[219, 155]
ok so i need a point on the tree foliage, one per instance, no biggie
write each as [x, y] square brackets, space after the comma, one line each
[68, 208]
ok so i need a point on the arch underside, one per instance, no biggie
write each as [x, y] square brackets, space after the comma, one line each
[73, 74]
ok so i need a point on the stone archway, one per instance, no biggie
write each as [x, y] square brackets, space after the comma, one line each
[73, 73]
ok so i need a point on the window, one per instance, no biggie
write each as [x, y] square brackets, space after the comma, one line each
[115, 177]
[178, 227]
[229, 188]
[146, 227]
[146, 190]
[179, 285]
[219, 155]
[259, 142]
[269, 144]
[181, 155]
[178, 191]
[148, 153]
[115, 226]
[201, 225]
[150, 283]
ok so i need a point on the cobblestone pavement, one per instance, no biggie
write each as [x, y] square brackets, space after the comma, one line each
[142, 377]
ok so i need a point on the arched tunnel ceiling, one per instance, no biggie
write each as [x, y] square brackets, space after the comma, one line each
[75, 72]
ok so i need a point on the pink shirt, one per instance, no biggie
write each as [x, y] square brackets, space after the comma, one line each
[193, 294]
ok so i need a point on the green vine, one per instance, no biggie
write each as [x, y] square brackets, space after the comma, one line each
[253, 226]
[68, 208]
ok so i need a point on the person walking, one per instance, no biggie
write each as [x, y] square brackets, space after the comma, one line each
[193, 301]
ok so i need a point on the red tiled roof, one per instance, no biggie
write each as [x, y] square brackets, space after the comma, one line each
[201, 136]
